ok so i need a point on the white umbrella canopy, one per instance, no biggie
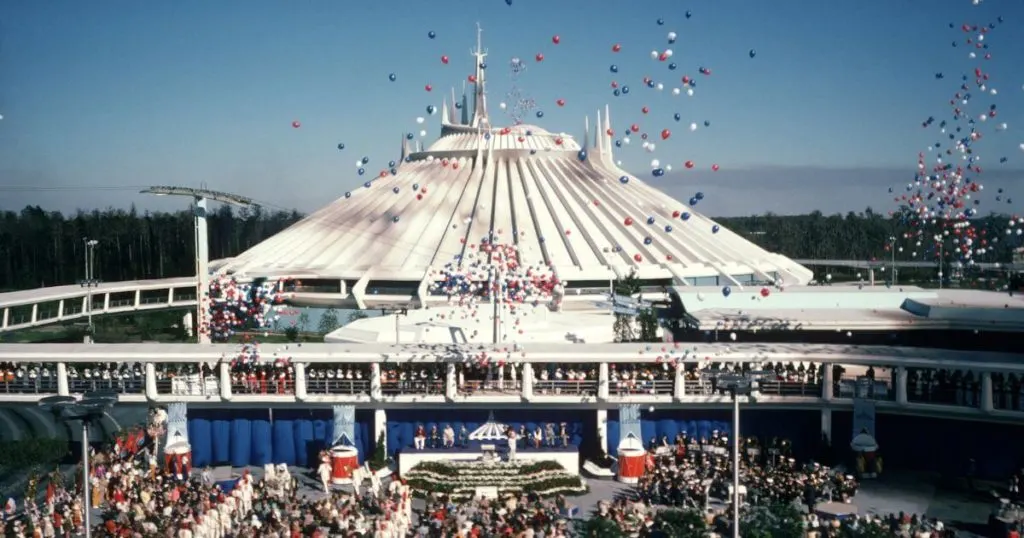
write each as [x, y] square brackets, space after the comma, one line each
[864, 442]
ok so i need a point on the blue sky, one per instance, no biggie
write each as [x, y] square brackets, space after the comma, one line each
[189, 92]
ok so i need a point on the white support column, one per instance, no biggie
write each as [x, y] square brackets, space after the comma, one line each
[170, 295]
[7, 318]
[380, 426]
[300, 381]
[60, 309]
[501, 377]
[680, 386]
[527, 378]
[826, 422]
[62, 379]
[138, 298]
[827, 382]
[987, 403]
[202, 243]
[225, 381]
[35, 313]
[151, 393]
[451, 382]
[901, 385]
[376, 392]
[602, 429]
[106, 301]
[602, 381]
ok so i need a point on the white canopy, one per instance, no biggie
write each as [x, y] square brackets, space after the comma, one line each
[864, 442]
[489, 431]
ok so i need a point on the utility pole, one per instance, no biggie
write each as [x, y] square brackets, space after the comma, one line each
[89, 282]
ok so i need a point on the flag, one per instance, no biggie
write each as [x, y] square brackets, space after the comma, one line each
[50, 492]
[650, 462]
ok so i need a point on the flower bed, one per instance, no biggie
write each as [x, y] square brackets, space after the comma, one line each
[460, 479]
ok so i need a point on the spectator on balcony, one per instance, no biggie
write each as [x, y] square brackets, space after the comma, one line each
[568, 379]
[338, 378]
[28, 378]
[639, 378]
[407, 378]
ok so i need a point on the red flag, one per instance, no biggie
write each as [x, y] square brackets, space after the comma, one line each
[50, 492]
[650, 461]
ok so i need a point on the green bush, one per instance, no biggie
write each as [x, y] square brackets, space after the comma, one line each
[29, 453]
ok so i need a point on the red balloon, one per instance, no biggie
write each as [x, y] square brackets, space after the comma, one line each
[296, 124]
[663, 57]
[638, 257]
[675, 214]
[444, 60]
[765, 292]
[615, 84]
[714, 168]
[616, 47]
[558, 141]
[668, 257]
[556, 39]
[610, 132]
[686, 79]
[665, 133]
[634, 127]
[560, 102]
[428, 87]
[471, 79]
[628, 221]
[539, 57]
[645, 110]
[689, 164]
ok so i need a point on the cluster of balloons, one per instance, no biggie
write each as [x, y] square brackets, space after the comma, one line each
[937, 205]
[236, 306]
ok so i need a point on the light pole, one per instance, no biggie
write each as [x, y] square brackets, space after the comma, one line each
[737, 384]
[90, 281]
[89, 408]
[892, 251]
[942, 246]
[202, 242]
[397, 311]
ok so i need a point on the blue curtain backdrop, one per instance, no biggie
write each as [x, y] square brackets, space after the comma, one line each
[581, 424]
[242, 437]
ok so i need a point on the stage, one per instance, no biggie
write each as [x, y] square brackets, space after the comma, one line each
[568, 457]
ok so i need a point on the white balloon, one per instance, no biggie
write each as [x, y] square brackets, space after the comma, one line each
[625, 140]
[1022, 146]
[359, 164]
[676, 91]
[651, 147]
[423, 133]
[668, 167]
[672, 36]
[668, 53]
[502, 106]
[420, 120]
[693, 126]
[689, 92]
[654, 54]
[655, 163]
[660, 86]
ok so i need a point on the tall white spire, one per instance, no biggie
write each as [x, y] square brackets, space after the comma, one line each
[480, 98]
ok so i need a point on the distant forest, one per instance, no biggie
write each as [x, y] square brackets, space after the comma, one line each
[45, 248]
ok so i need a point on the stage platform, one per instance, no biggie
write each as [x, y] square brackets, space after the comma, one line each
[568, 457]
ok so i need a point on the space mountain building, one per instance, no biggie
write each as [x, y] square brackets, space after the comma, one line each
[562, 201]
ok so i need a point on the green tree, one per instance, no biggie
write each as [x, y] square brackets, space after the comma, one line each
[625, 328]
[357, 315]
[597, 527]
[329, 321]
[380, 453]
[774, 521]
[302, 324]
[682, 523]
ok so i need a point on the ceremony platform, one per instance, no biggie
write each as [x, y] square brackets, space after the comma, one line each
[568, 457]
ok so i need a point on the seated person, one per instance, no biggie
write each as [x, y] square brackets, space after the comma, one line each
[549, 435]
[538, 437]
[563, 434]
[420, 438]
[449, 436]
[463, 436]
[435, 437]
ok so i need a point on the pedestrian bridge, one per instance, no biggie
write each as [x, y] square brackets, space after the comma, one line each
[42, 306]
[881, 264]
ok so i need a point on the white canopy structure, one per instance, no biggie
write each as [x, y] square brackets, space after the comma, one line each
[489, 431]
[864, 442]
[562, 201]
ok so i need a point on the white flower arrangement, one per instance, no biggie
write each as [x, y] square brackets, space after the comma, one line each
[461, 479]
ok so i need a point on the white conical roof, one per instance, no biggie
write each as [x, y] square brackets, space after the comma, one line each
[489, 431]
[518, 185]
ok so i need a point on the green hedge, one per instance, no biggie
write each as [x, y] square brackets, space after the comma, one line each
[29, 453]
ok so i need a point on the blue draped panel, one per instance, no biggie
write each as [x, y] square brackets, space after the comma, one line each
[221, 441]
[241, 442]
[612, 429]
[303, 437]
[668, 428]
[262, 443]
[648, 430]
[200, 437]
[670, 422]
[284, 442]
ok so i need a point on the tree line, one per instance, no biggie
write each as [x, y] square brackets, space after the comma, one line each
[47, 248]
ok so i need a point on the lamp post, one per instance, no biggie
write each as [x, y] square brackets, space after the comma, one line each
[88, 409]
[202, 241]
[397, 311]
[90, 281]
[942, 246]
[892, 252]
[738, 385]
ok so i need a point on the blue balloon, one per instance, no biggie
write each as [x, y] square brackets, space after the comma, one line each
[483, 65]
[348, 195]
[458, 105]
[650, 84]
[508, 2]
[658, 172]
[668, 228]
[625, 89]
[533, 152]
[394, 219]
[394, 171]
[616, 92]
[395, 190]
[366, 160]
[693, 200]
[624, 180]
[707, 123]
[487, 136]
[540, 113]
[614, 68]
[361, 171]
[699, 196]
[714, 229]
[727, 291]
[752, 53]
[431, 109]
[661, 22]
[648, 240]
[689, 14]
[618, 143]
[391, 164]
[685, 216]
[582, 155]
[650, 220]
[431, 34]
[409, 136]
[678, 116]
[672, 67]
[341, 146]
[367, 184]
[415, 186]
[392, 77]
[529, 133]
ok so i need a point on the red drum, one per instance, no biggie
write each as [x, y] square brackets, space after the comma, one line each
[178, 459]
[344, 459]
[631, 464]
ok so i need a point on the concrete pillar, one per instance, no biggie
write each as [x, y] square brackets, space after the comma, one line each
[6, 318]
[138, 298]
[300, 381]
[62, 379]
[901, 385]
[151, 393]
[602, 428]
[501, 377]
[527, 377]
[60, 309]
[451, 382]
[35, 313]
[987, 403]
[224, 371]
[827, 382]
[380, 427]
[826, 422]
[680, 386]
[602, 381]
[376, 392]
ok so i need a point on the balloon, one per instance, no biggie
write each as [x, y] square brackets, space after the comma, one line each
[727, 291]
[752, 53]
[613, 68]
[444, 60]
[556, 39]
[689, 14]
[361, 171]
[539, 57]
[341, 146]
[616, 47]
[665, 133]
[540, 113]
[428, 87]
[392, 77]
[431, 109]
[714, 168]
[638, 258]
[296, 124]
[560, 102]
[366, 160]
[672, 37]
[714, 229]
[431, 34]
[689, 164]
[677, 116]
[693, 126]
[765, 292]
[624, 180]
[628, 221]
[582, 155]
[661, 22]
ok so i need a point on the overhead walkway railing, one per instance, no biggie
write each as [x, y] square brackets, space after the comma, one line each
[44, 306]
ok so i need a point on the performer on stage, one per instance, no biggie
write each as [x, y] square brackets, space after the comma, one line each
[511, 444]
[549, 435]
[449, 436]
[435, 436]
[563, 434]
[523, 436]
[463, 436]
[324, 470]
[538, 437]
[421, 437]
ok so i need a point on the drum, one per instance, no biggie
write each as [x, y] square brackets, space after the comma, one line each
[344, 459]
[631, 465]
[178, 459]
